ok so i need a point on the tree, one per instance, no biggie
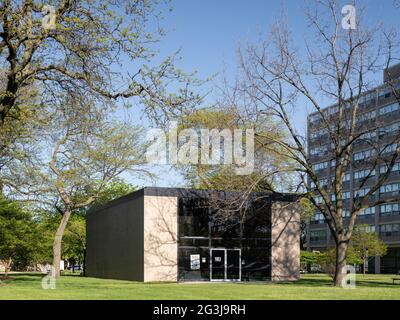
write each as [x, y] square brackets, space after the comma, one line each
[44, 235]
[278, 79]
[268, 174]
[80, 157]
[366, 244]
[18, 239]
[12, 133]
[308, 258]
[80, 46]
[224, 119]
[115, 189]
[327, 260]
[19, 128]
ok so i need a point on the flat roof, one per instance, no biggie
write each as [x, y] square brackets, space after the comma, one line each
[384, 85]
[188, 192]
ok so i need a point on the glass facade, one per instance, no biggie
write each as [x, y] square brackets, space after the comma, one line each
[224, 239]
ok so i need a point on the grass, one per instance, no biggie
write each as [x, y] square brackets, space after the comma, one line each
[28, 286]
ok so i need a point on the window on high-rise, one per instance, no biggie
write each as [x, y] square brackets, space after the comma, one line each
[389, 108]
[389, 209]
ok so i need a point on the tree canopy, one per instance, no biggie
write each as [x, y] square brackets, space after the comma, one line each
[20, 241]
[84, 47]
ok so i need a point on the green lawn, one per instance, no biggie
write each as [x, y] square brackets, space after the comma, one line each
[28, 286]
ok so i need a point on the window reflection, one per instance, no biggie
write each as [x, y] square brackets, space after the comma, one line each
[209, 223]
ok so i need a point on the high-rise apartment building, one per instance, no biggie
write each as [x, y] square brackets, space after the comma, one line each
[379, 110]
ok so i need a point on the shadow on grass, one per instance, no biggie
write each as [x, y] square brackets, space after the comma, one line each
[33, 280]
[375, 283]
[318, 280]
[310, 282]
[22, 277]
[31, 277]
[370, 281]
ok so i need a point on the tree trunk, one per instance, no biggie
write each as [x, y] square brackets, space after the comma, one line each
[1, 187]
[58, 243]
[340, 263]
[84, 263]
[364, 266]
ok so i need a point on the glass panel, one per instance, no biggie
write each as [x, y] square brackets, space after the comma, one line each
[205, 225]
[188, 270]
[256, 264]
[218, 264]
[233, 265]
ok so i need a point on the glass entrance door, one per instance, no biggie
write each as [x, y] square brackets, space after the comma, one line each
[217, 264]
[233, 265]
[225, 265]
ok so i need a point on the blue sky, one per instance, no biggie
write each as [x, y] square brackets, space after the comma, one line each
[209, 32]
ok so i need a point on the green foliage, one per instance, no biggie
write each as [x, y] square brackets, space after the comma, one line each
[74, 240]
[18, 131]
[210, 118]
[115, 189]
[307, 209]
[28, 241]
[20, 235]
[364, 245]
[45, 228]
[224, 177]
[326, 259]
[84, 51]
[367, 244]
[309, 257]
[14, 230]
